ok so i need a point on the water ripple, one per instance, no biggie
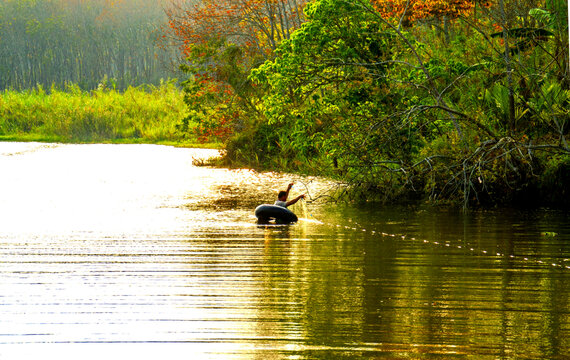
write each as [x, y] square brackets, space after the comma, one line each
[134, 246]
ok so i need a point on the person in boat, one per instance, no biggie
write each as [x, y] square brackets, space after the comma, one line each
[283, 195]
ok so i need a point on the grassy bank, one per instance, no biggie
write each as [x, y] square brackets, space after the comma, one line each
[146, 114]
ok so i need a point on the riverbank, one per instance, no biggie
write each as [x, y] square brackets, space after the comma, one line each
[37, 138]
[499, 173]
[394, 109]
[506, 172]
[145, 114]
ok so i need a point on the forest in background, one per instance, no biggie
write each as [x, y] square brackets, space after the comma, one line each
[54, 42]
[450, 101]
[87, 71]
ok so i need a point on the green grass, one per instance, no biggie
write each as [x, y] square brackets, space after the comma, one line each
[146, 114]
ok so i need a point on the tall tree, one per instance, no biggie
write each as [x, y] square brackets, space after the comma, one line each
[257, 25]
[219, 42]
[381, 103]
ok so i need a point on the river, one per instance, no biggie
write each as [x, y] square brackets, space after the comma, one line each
[107, 247]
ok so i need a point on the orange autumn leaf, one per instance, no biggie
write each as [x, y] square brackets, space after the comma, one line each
[414, 10]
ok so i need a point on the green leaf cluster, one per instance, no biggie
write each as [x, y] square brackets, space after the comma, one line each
[465, 113]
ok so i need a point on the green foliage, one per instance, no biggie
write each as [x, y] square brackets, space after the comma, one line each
[553, 186]
[317, 81]
[542, 16]
[395, 111]
[141, 114]
[331, 88]
[550, 106]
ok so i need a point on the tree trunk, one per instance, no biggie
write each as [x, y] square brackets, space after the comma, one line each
[509, 67]
[446, 29]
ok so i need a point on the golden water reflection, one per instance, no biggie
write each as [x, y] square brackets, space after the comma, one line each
[133, 245]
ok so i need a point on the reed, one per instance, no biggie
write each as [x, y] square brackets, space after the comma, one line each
[144, 114]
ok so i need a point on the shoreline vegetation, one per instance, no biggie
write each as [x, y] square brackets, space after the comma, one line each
[158, 115]
[145, 114]
[449, 102]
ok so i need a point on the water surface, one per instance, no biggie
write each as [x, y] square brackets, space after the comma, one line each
[114, 246]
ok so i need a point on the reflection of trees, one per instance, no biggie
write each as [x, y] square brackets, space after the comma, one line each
[321, 291]
[334, 292]
[334, 289]
[485, 304]
[309, 290]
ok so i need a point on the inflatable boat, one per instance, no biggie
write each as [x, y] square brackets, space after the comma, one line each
[265, 213]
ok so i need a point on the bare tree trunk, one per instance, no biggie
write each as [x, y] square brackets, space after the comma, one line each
[509, 66]
[446, 29]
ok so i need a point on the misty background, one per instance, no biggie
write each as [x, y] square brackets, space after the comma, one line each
[84, 42]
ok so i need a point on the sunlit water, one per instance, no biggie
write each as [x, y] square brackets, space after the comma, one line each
[111, 246]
